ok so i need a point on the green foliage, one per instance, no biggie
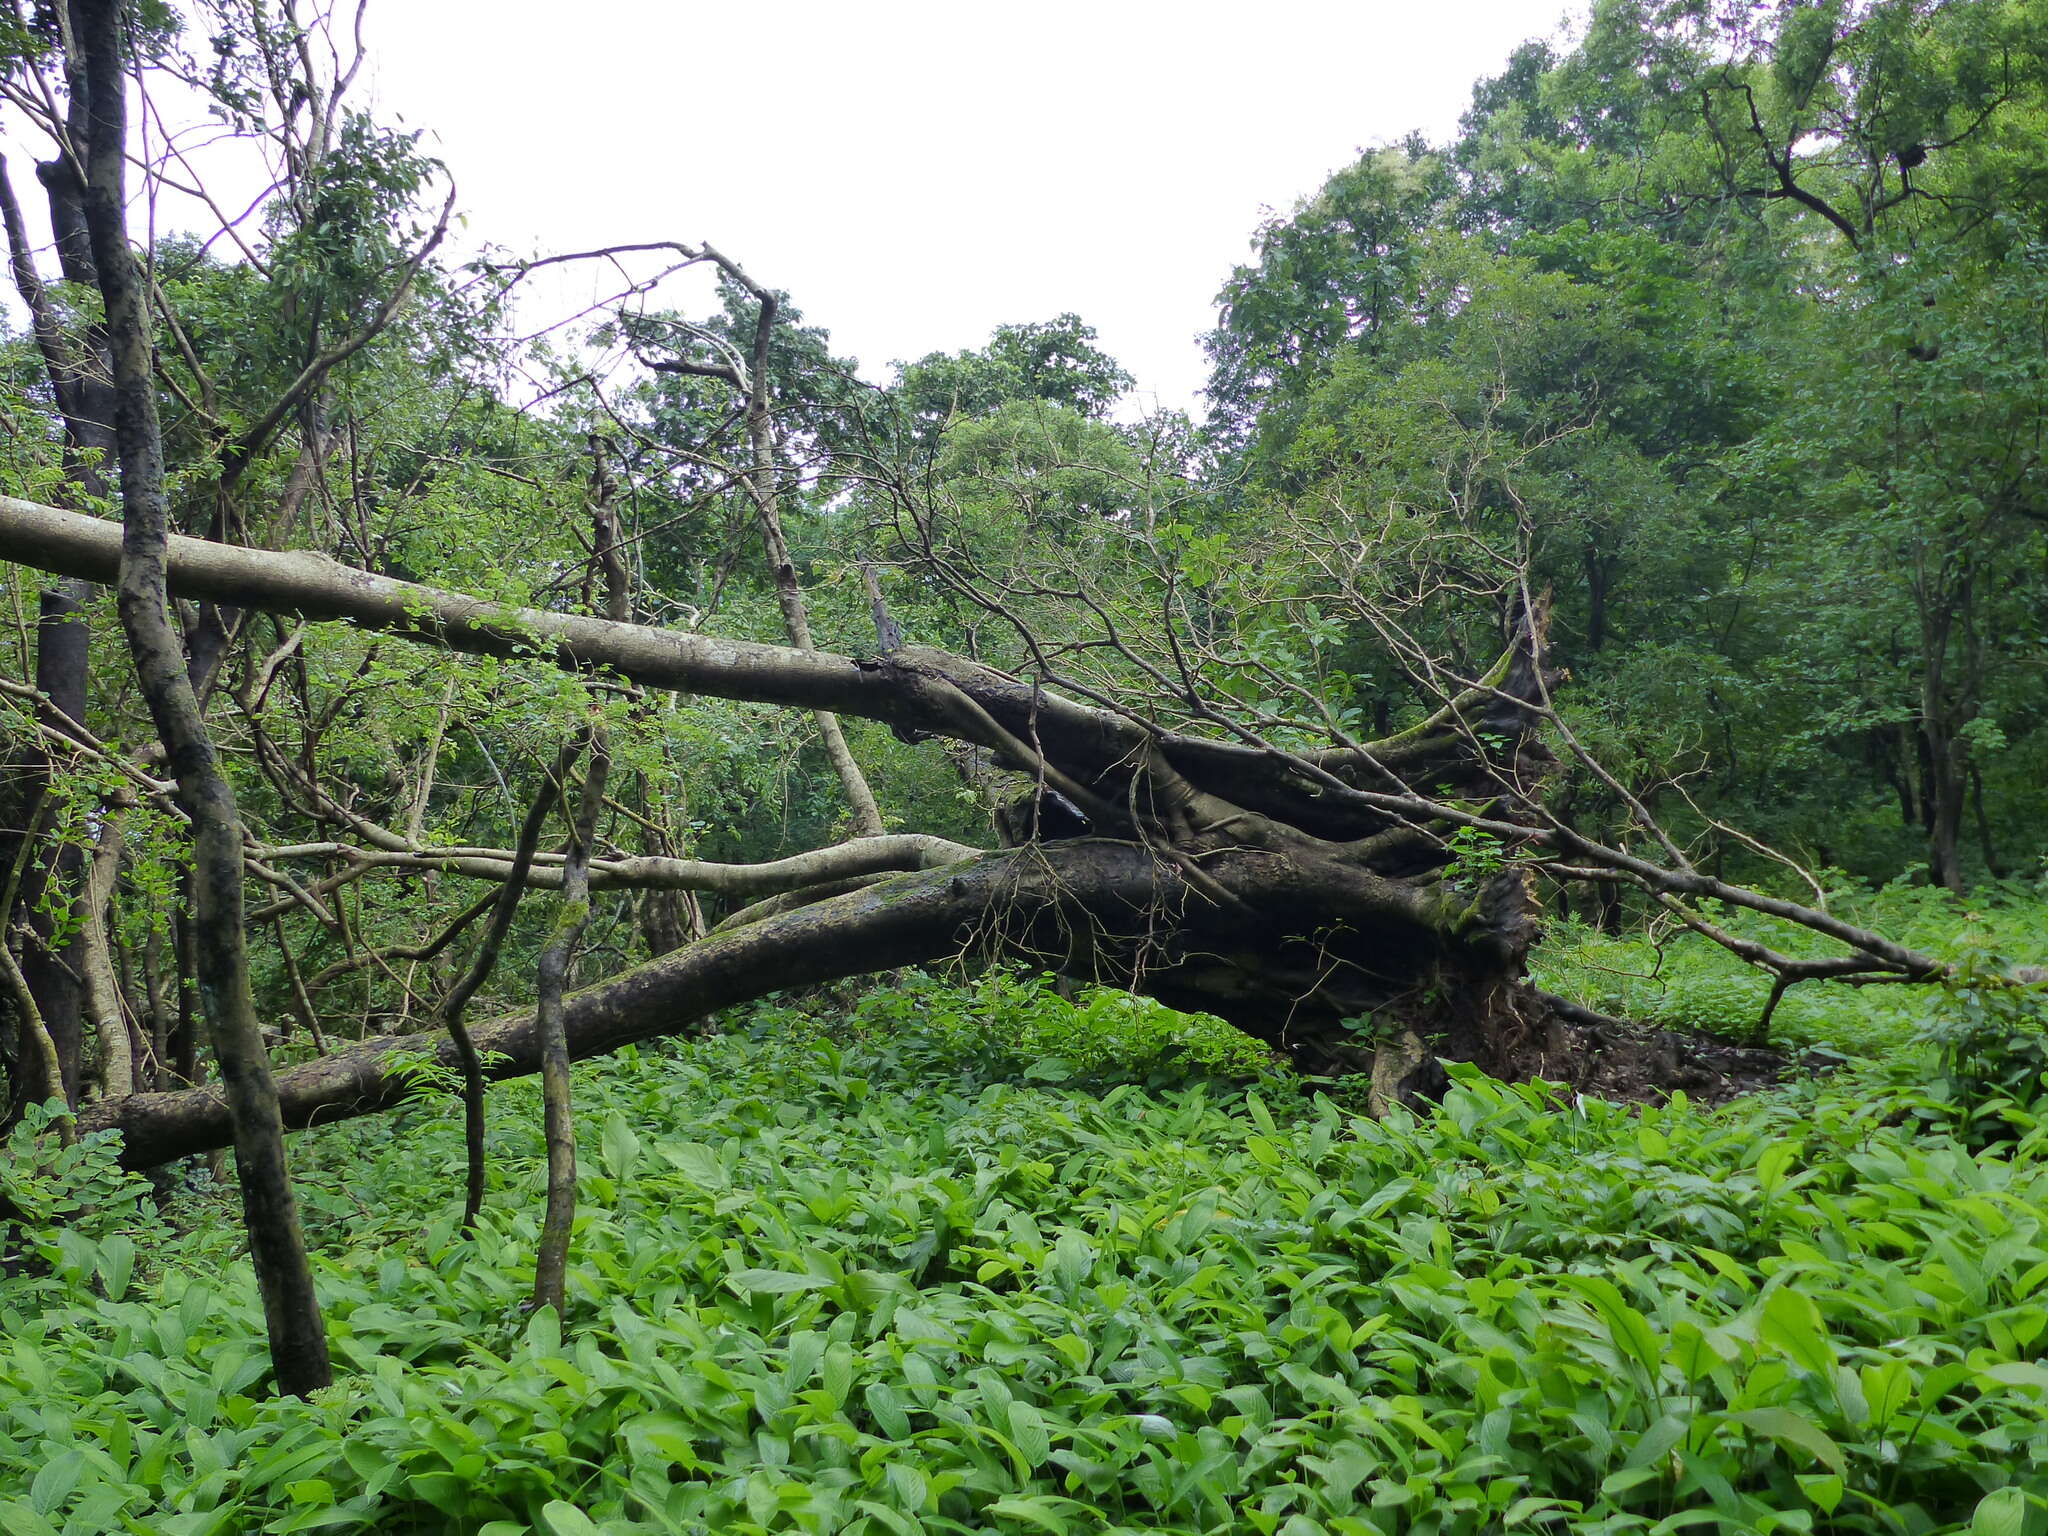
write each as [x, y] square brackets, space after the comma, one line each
[1990, 1035]
[969, 1256]
[1683, 981]
[1475, 856]
[1728, 317]
[66, 1208]
[1012, 1023]
[868, 1275]
[1057, 362]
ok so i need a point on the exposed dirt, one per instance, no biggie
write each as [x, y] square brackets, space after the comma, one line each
[1643, 1065]
[1543, 1036]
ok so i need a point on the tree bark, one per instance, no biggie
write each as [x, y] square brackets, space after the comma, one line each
[1319, 947]
[96, 962]
[762, 487]
[917, 690]
[1316, 899]
[77, 370]
[298, 1341]
[53, 973]
[36, 1040]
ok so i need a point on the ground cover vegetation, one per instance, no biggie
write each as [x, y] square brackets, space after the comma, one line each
[1534, 804]
[975, 1258]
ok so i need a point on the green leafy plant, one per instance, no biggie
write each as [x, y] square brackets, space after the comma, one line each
[1476, 856]
[1990, 1040]
[872, 1267]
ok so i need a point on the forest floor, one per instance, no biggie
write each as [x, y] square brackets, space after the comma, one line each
[959, 1255]
[1642, 1064]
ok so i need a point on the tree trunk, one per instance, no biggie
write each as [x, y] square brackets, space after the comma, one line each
[557, 970]
[1943, 799]
[36, 1045]
[763, 489]
[298, 1341]
[78, 370]
[53, 973]
[96, 962]
[1318, 900]
[480, 967]
[1986, 844]
[1324, 945]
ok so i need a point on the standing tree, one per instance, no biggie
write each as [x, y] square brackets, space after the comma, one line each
[298, 1338]
[128, 368]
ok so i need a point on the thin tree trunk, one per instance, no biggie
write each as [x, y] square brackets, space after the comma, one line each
[480, 968]
[38, 1037]
[789, 594]
[181, 1044]
[27, 1081]
[302, 998]
[96, 957]
[1994, 865]
[162, 1009]
[867, 816]
[1944, 800]
[557, 968]
[76, 367]
[298, 1339]
[53, 972]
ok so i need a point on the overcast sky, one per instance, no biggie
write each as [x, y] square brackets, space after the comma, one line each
[914, 173]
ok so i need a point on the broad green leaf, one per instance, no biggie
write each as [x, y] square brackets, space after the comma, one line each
[116, 1265]
[17, 1515]
[1770, 1168]
[2017, 1373]
[620, 1148]
[544, 1332]
[2002, 1512]
[775, 1282]
[1655, 1443]
[1795, 1431]
[54, 1482]
[1887, 1389]
[565, 1519]
[1033, 1510]
[1027, 1430]
[1791, 1324]
[1824, 1489]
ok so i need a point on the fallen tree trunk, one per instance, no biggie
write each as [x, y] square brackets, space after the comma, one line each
[1106, 911]
[917, 691]
[1366, 900]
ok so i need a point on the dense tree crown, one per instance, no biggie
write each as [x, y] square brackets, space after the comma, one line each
[1734, 314]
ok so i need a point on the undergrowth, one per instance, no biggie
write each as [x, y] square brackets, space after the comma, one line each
[970, 1258]
[1689, 982]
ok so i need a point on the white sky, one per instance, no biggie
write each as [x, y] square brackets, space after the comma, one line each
[916, 173]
